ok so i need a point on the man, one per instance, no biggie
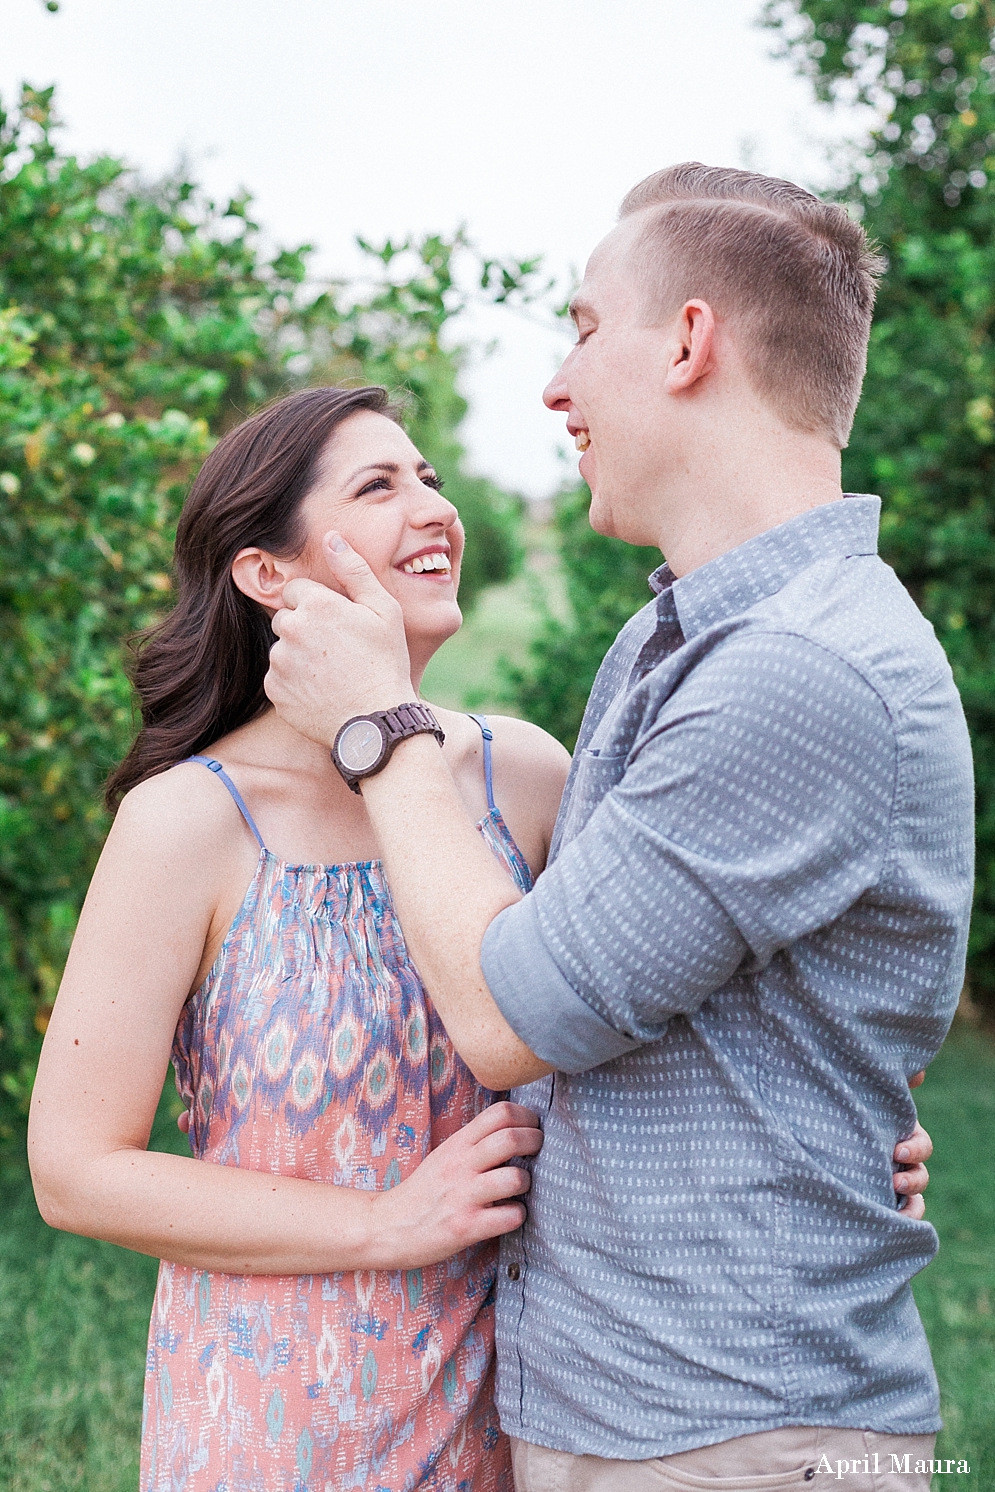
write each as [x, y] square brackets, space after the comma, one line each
[753, 926]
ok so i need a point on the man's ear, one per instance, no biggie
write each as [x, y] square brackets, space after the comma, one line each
[692, 347]
[261, 576]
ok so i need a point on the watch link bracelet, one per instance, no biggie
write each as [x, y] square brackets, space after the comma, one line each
[366, 743]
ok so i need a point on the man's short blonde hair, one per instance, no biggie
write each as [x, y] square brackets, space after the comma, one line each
[796, 276]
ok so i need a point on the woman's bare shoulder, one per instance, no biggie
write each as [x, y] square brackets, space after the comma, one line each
[175, 864]
[530, 770]
[520, 744]
[184, 806]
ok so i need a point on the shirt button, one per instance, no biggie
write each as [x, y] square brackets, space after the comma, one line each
[810, 1473]
[514, 1271]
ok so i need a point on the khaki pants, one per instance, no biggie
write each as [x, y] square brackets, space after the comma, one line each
[774, 1461]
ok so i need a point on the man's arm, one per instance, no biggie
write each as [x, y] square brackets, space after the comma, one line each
[336, 659]
[448, 888]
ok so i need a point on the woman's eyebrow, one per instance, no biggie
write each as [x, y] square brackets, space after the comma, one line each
[390, 466]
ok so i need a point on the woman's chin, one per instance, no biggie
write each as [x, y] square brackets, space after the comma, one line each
[453, 622]
[430, 627]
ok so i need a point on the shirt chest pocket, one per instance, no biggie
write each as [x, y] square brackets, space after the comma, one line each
[597, 773]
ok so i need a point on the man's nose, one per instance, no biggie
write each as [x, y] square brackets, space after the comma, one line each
[555, 395]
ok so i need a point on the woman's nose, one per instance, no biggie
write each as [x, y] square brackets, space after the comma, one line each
[434, 508]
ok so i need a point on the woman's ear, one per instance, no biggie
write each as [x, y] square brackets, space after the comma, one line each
[261, 576]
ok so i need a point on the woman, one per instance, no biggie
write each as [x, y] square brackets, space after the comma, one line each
[324, 1317]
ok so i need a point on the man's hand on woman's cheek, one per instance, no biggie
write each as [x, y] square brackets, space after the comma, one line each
[337, 655]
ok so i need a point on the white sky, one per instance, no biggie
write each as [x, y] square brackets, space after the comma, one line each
[527, 120]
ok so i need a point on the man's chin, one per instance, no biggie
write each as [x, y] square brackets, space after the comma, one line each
[600, 517]
[613, 525]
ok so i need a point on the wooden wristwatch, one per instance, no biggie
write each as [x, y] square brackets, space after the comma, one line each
[365, 743]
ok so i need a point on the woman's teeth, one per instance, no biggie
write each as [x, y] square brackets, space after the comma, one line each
[582, 440]
[427, 562]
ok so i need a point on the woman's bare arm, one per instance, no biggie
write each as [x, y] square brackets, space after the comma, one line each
[152, 907]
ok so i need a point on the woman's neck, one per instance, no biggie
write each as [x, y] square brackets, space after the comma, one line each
[272, 742]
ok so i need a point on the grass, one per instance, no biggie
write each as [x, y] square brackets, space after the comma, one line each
[74, 1314]
[74, 1317]
[956, 1294]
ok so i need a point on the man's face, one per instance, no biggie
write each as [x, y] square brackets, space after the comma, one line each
[611, 389]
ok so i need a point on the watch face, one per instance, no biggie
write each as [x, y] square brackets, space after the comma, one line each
[359, 745]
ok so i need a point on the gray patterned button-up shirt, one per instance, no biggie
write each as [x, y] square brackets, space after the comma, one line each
[751, 933]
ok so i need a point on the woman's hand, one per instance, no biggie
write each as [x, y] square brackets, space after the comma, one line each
[912, 1179]
[462, 1193]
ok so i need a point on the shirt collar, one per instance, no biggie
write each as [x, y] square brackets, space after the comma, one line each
[735, 581]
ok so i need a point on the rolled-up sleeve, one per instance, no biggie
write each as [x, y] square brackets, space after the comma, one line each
[752, 808]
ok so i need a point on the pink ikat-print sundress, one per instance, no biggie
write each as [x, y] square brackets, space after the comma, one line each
[312, 1050]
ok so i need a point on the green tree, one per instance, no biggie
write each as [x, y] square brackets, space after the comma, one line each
[925, 430]
[605, 584]
[136, 324]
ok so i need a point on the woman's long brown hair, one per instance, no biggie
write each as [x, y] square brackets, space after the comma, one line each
[199, 673]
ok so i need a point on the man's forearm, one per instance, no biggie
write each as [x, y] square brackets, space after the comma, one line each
[447, 888]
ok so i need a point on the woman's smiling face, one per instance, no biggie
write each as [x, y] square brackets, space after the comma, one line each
[377, 490]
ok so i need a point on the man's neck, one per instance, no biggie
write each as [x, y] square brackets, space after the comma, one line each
[742, 489]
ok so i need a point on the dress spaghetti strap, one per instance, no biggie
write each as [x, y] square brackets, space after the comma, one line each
[488, 736]
[219, 771]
